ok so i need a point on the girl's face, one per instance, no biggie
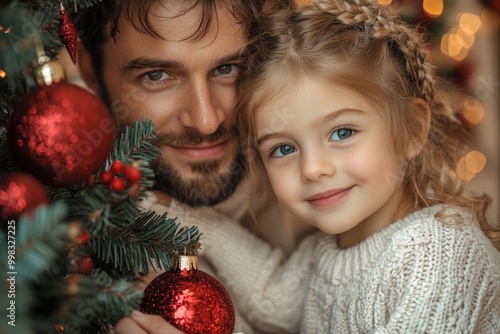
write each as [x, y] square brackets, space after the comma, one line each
[330, 159]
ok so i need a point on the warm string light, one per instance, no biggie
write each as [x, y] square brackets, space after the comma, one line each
[470, 165]
[302, 3]
[461, 37]
[384, 3]
[433, 8]
[473, 110]
[8, 30]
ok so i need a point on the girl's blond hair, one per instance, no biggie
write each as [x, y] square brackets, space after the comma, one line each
[371, 50]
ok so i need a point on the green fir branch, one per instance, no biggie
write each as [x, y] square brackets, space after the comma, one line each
[40, 240]
[100, 302]
[7, 102]
[99, 209]
[25, 33]
[6, 162]
[70, 5]
[152, 239]
[136, 143]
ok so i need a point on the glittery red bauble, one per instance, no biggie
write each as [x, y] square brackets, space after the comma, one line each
[60, 133]
[20, 193]
[191, 300]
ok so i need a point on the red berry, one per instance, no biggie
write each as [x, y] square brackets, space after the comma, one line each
[116, 167]
[84, 237]
[84, 265]
[106, 176]
[117, 184]
[132, 174]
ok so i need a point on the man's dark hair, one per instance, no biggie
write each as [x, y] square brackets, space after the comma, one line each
[97, 24]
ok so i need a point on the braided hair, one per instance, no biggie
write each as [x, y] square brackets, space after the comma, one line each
[370, 49]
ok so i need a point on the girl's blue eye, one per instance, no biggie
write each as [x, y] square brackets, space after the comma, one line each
[282, 150]
[342, 134]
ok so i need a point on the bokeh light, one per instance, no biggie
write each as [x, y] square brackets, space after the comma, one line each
[470, 165]
[433, 8]
[473, 110]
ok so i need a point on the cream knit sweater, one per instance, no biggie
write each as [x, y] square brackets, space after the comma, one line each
[415, 276]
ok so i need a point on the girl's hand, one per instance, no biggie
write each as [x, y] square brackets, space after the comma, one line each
[141, 323]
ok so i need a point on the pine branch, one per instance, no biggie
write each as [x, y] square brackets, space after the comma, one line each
[109, 209]
[136, 143]
[150, 239]
[40, 240]
[7, 101]
[25, 32]
[99, 297]
[6, 164]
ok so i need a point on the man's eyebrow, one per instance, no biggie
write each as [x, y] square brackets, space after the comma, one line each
[236, 56]
[145, 62]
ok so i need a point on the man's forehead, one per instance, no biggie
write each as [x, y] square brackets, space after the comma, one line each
[178, 20]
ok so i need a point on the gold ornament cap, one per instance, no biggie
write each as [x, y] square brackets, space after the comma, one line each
[49, 72]
[185, 262]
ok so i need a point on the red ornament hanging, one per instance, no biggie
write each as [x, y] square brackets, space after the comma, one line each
[20, 193]
[60, 133]
[190, 299]
[68, 33]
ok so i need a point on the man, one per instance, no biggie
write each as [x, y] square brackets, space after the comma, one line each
[178, 63]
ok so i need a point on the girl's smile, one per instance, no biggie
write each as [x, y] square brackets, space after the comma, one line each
[329, 197]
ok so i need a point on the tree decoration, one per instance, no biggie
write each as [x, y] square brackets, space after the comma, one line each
[20, 193]
[120, 175]
[83, 220]
[68, 33]
[190, 299]
[61, 133]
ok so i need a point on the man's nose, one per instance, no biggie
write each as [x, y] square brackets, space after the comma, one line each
[201, 111]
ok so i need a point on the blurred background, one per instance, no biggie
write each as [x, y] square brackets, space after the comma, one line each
[464, 37]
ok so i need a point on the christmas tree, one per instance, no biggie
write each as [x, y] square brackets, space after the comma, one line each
[72, 241]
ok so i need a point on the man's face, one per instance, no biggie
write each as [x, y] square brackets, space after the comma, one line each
[187, 87]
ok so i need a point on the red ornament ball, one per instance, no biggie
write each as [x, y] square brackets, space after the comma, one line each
[20, 193]
[191, 300]
[60, 133]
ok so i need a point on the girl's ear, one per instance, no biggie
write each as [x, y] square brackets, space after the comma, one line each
[421, 126]
[87, 69]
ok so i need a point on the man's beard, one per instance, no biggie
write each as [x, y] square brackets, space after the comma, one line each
[206, 184]
[210, 187]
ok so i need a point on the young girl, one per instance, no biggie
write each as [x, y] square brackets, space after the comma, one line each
[341, 106]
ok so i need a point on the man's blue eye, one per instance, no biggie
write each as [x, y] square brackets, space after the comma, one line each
[342, 134]
[156, 75]
[229, 69]
[282, 150]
